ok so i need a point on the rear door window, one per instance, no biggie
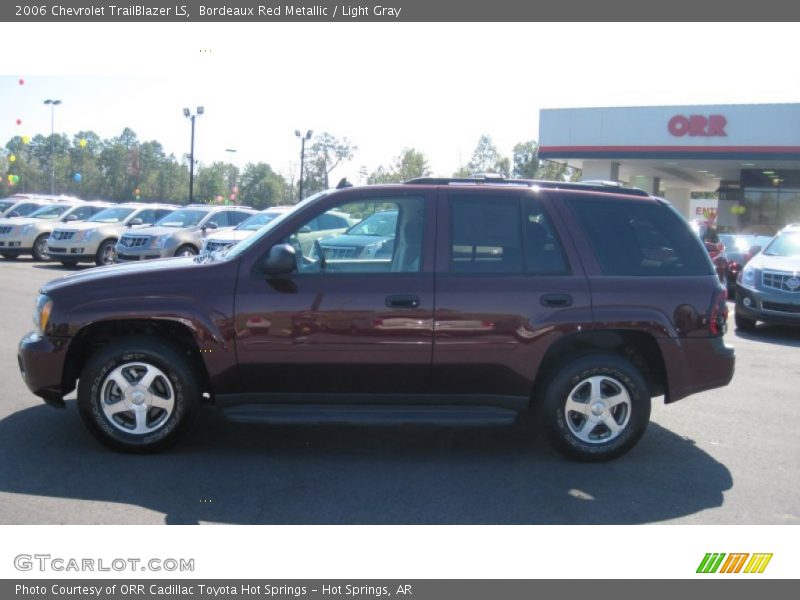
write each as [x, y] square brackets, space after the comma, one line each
[639, 238]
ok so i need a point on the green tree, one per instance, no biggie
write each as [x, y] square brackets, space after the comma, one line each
[210, 182]
[485, 159]
[323, 156]
[261, 187]
[409, 165]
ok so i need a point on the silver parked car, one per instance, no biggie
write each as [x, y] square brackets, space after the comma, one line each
[28, 235]
[95, 239]
[180, 233]
[768, 288]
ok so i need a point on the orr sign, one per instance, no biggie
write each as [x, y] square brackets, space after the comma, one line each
[698, 126]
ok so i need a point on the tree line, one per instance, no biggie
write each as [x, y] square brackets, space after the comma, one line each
[124, 168]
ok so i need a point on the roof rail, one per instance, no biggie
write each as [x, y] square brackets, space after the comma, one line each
[588, 186]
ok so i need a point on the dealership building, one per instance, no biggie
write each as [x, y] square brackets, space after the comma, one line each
[749, 154]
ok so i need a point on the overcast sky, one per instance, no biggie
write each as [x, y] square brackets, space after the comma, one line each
[436, 87]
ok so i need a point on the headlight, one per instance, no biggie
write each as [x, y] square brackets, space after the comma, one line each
[748, 276]
[370, 250]
[160, 241]
[41, 314]
[86, 235]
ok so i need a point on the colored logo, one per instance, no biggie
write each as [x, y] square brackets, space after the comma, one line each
[719, 562]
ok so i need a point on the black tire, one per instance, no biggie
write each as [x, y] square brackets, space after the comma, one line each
[616, 378]
[39, 250]
[186, 250]
[744, 323]
[9, 256]
[69, 263]
[126, 357]
[106, 253]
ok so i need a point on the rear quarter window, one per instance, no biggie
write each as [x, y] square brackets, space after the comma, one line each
[640, 238]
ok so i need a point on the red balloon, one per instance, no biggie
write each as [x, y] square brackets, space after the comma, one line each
[19, 121]
[22, 82]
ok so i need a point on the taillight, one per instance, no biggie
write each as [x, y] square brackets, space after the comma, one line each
[718, 317]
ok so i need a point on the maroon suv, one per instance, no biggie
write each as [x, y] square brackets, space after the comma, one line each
[485, 299]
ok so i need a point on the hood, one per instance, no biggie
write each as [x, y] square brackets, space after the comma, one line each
[355, 241]
[154, 231]
[777, 263]
[111, 272]
[16, 221]
[81, 225]
[229, 235]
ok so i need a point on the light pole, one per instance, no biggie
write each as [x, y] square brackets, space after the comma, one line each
[188, 114]
[231, 152]
[303, 139]
[53, 104]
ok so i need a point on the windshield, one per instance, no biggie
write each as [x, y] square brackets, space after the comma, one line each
[182, 218]
[5, 205]
[111, 215]
[786, 244]
[24, 209]
[380, 224]
[257, 221]
[50, 212]
[237, 250]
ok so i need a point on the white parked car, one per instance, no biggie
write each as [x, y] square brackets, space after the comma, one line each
[94, 240]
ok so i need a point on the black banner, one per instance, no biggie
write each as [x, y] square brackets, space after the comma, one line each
[397, 11]
[411, 589]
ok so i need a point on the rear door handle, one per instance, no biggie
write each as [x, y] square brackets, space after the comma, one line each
[556, 300]
[402, 301]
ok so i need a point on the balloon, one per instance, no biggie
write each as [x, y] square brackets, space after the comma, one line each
[138, 197]
[22, 81]
[77, 177]
[236, 189]
[10, 178]
[26, 139]
[233, 196]
[16, 178]
[19, 121]
[136, 192]
[12, 158]
[82, 143]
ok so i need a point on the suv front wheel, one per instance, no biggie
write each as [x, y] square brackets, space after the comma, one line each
[596, 408]
[137, 394]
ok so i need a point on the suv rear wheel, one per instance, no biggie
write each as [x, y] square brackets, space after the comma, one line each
[596, 408]
[137, 394]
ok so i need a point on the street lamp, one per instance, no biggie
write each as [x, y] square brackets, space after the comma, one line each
[188, 114]
[303, 139]
[231, 152]
[53, 104]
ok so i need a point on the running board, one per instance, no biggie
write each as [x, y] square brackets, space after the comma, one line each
[319, 414]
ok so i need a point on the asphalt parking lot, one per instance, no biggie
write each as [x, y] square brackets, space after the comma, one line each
[729, 456]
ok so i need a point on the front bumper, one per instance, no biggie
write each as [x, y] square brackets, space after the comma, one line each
[72, 251]
[41, 363]
[778, 307]
[133, 254]
[16, 247]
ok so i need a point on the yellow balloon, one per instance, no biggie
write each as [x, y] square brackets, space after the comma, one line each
[12, 158]
[26, 139]
[83, 143]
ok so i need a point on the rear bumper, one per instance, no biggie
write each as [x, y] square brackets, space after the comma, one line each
[696, 364]
[41, 363]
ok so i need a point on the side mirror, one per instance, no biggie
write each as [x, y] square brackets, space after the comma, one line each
[135, 221]
[280, 260]
[71, 218]
[210, 225]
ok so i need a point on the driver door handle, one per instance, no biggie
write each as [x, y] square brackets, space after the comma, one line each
[402, 301]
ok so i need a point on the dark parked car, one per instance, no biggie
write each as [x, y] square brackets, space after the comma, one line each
[576, 303]
[373, 237]
[737, 251]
